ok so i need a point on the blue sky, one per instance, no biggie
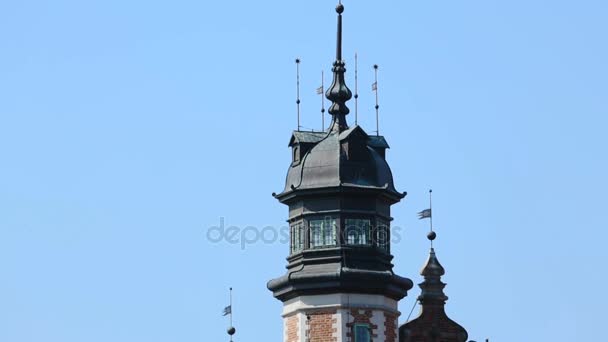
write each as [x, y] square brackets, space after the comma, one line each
[128, 129]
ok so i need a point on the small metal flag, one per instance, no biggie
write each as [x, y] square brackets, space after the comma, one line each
[320, 90]
[227, 310]
[374, 86]
[426, 213]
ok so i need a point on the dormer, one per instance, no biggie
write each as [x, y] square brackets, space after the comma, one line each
[379, 144]
[301, 142]
[353, 144]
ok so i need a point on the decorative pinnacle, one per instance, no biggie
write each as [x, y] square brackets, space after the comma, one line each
[338, 93]
[432, 287]
[432, 268]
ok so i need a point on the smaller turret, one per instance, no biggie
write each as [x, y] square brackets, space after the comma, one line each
[433, 324]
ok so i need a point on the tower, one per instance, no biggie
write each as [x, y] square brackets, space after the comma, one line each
[433, 324]
[339, 285]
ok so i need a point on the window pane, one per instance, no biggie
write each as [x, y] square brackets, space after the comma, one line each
[362, 333]
[357, 232]
[383, 235]
[297, 238]
[322, 233]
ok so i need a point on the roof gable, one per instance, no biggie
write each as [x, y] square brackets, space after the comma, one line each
[377, 141]
[352, 132]
[299, 137]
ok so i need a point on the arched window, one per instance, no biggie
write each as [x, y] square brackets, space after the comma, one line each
[296, 154]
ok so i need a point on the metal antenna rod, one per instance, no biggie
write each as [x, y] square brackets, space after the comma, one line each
[356, 92]
[321, 91]
[375, 89]
[231, 310]
[431, 208]
[298, 89]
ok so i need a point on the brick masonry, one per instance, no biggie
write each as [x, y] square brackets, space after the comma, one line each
[432, 325]
[332, 318]
[390, 327]
[322, 326]
[291, 328]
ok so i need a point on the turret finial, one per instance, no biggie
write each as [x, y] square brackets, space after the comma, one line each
[338, 93]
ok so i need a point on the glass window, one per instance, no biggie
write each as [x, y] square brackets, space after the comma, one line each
[296, 154]
[362, 333]
[297, 238]
[357, 232]
[383, 236]
[322, 233]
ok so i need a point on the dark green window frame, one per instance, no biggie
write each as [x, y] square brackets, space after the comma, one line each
[383, 235]
[362, 333]
[357, 232]
[322, 232]
[297, 238]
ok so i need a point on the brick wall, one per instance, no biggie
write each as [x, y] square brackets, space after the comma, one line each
[291, 328]
[336, 323]
[321, 326]
[432, 325]
[390, 327]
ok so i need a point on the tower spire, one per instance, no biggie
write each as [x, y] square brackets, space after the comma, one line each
[338, 93]
[432, 287]
[433, 324]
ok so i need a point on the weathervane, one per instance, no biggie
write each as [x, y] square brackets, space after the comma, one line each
[428, 213]
[228, 311]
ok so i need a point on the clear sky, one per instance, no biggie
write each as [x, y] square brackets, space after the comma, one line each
[129, 128]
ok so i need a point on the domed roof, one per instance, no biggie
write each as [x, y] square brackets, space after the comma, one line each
[349, 159]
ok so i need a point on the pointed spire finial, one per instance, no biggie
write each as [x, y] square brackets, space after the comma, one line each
[432, 287]
[338, 93]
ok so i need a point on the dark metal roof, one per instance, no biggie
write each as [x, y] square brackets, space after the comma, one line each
[326, 166]
[432, 268]
[377, 141]
[306, 137]
[351, 131]
[325, 273]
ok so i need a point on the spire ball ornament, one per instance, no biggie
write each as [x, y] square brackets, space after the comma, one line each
[340, 8]
[231, 331]
[431, 236]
